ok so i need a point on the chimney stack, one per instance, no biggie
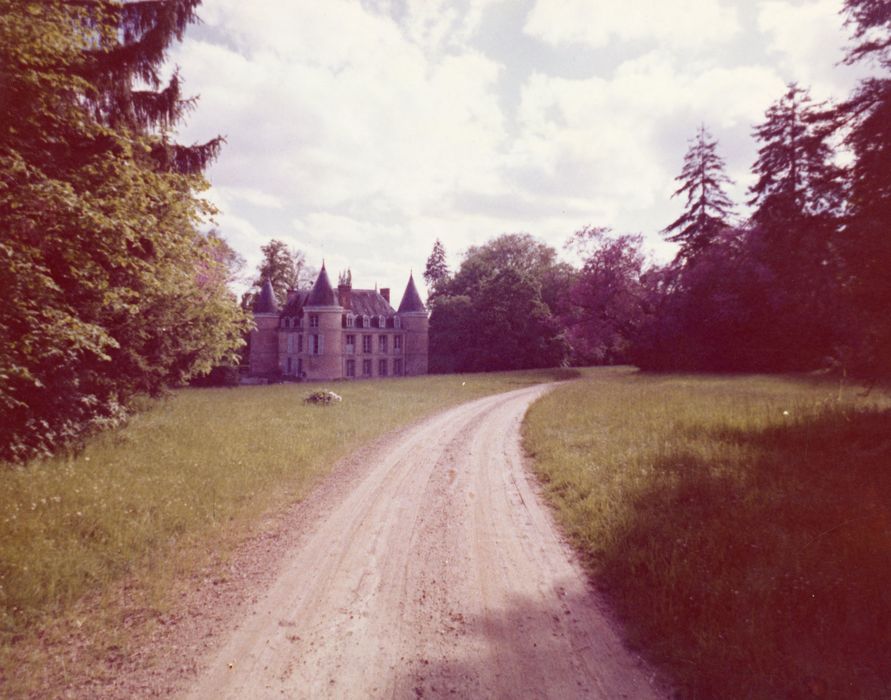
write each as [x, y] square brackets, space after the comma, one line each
[345, 295]
[385, 293]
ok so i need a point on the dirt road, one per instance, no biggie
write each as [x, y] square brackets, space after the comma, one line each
[436, 573]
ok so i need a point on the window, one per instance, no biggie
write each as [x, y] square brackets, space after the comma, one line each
[366, 322]
[313, 320]
[351, 368]
[381, 322]
[350, 344]
[397, 343]
[316, 344]
[289, 363]
[298, 322]
[366, 368]
[299, 343]
[382, 368]
[397, 322]
[366, 344]
[350, 320]
[397, 368]
[382, 343]
[290, 346]
[299, 367]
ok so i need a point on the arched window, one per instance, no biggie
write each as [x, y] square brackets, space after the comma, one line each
[366, 322]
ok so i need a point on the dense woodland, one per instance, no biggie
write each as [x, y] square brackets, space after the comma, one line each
[112, 288]
[802, 284]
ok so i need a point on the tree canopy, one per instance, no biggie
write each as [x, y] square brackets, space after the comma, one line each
[115, 290]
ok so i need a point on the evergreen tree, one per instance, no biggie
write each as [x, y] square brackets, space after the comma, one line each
[866, 240]
[798, 181]
[708, 209]
[436, 272]
[798, 199]
[111, 290]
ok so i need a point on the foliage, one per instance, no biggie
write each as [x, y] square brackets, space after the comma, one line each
[606, 300]
[436, 271]
[708, 209]
[865, 246]
[738, 525]
[493, 314]
[112, 289]
[285, 267]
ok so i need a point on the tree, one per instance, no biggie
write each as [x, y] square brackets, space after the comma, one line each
[607, 296]
[499, 290]
[436, 272]
[112, 289]
[799, 198]
[865, 242]
[708, 209]
[285, 267]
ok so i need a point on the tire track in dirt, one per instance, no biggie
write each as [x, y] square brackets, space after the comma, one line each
[438, 573]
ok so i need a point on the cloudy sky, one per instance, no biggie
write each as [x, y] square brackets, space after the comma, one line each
[360, 131]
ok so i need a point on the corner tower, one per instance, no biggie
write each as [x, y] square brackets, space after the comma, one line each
[264, 337]
[323, 334]
[413, 316]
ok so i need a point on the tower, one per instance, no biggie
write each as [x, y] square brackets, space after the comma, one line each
[415, 323]
[264, 337]
[323, 333]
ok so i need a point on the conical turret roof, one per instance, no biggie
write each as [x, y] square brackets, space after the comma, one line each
[322, 293]
[265, 302]
[411, 300]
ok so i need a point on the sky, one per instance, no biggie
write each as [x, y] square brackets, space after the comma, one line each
[359, 131]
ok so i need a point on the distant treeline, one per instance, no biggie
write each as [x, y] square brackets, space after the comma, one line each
[803, 283]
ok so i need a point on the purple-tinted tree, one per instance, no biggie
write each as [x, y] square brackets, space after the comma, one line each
[607, 295]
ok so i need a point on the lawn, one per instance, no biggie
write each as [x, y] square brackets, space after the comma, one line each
[741, 526]
[187, 477]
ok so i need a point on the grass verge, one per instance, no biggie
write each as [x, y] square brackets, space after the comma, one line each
[185, 478]
[741, 526]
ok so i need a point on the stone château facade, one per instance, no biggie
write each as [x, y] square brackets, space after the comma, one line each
[341, 333]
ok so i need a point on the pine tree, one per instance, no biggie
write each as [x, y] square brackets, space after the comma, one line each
[112, 290]
[436, 272]
[866, 240]
[797, 178]
[708, 209]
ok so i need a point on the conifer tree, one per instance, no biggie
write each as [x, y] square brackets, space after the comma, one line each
[436, 272]
[111, 288]
[866, 240]
[798, 181]
[708, 209]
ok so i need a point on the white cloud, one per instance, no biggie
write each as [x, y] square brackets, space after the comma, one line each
[687, 24]
[808, 40]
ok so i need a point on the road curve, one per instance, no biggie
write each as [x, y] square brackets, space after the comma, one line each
[439, 573]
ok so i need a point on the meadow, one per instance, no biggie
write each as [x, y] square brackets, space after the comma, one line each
[187, 477]
[740, 526]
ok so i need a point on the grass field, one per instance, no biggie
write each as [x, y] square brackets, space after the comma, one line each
[188, 476]
[741, 526]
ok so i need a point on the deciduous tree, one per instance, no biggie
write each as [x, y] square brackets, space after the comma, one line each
[111, 288]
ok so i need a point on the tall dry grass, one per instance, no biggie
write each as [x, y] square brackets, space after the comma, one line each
[740, 525]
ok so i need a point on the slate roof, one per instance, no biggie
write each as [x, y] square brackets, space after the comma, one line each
[369, 302]
[322, 293]
[411, 300]
[295, 306]
[265, 302]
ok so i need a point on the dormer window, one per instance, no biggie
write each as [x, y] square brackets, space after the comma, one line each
[397, 322]
[350, 320]
[381, 322]
[366, 322]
